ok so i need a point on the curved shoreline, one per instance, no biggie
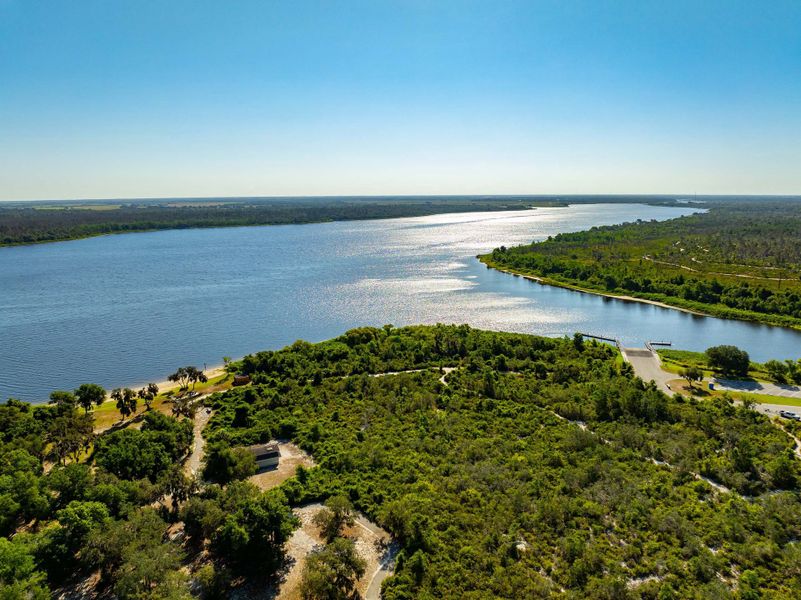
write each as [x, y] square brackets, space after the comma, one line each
[567, 286]
[575, 288]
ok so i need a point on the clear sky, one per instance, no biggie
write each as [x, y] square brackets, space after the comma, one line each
[112, 98]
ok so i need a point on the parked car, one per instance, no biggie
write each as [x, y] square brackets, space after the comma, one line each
[789, 415]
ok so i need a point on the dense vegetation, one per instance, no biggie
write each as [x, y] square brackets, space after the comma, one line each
[99, 522]
[535, 467]
[541, 466]
[738, 260]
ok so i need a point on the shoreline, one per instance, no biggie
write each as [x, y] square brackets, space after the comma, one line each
[575, 288]
[567, 286]
[167, 385]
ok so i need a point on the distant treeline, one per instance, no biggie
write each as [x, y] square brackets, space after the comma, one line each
[29, 223]
[739, 260]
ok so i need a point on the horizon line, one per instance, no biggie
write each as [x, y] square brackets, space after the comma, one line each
[538, 196]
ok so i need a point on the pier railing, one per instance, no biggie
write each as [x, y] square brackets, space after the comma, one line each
[615, 341]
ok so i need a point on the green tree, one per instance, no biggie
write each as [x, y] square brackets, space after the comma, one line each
[132, 454]
[729, 359]
[70, 434]
[175, 484]
[783, 471]
[201, 517]
[334, 517]
[223, 464]
[692, 375]
[253, 537]
[777, 371]
[89, 395]
[69, 482]
[749, 586]
[22, 496]
[186, 375]
[79, 519]
[214, 582]
[133, 554]
[148, 393]
[126, 401]
[332, 573]
[62, 399]
[19, 578]
[183, 407]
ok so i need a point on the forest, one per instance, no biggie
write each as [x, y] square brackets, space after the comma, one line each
[532, 467]
[37, 222]
[737, 260]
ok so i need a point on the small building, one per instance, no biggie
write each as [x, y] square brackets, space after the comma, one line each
[266, 455]
[241, 379]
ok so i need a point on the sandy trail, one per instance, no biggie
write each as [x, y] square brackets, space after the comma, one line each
[195, 459]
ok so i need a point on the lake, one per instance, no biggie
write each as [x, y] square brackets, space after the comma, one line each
[127, 309]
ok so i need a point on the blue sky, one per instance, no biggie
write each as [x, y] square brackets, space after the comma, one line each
[104, 99]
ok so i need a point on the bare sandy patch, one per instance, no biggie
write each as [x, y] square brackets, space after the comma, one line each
[373, 544]
[291, 458]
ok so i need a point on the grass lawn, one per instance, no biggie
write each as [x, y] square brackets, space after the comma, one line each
[107, 414]
[674, 361]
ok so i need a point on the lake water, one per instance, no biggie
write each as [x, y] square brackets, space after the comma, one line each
[127, 309]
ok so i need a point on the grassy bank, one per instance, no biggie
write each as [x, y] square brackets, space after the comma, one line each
[107, 414]
[676, 360]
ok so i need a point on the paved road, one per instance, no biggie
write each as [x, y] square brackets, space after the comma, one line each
[774, 409]
[647, 367]
[385, 569]
[759, 387]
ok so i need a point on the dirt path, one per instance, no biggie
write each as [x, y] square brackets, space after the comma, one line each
[582, 425]
[397, 372]
[742, 275]
[445, 372]
[195, 459]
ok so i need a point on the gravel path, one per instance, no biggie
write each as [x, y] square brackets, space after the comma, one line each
[195, 459]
